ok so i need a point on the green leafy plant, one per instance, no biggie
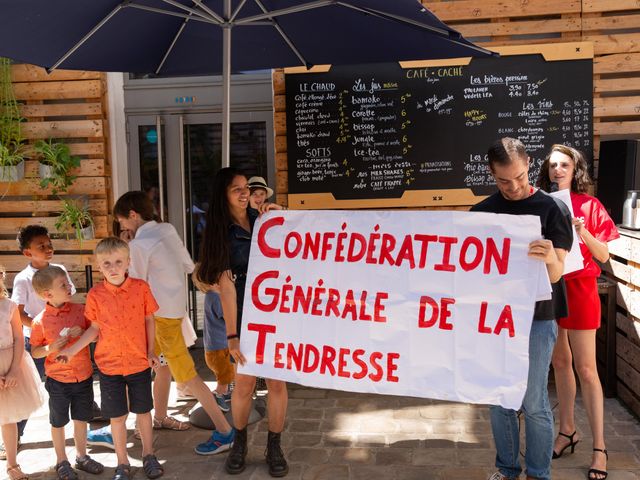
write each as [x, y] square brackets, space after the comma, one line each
[11, 147]
[57, 156]
[73, 218]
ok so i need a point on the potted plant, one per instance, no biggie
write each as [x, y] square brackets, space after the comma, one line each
[75, 218]
[11, 147]
[56, 163]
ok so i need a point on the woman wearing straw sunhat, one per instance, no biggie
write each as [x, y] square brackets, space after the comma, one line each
[259, 192]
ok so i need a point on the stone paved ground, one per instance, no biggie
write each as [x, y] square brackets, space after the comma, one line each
[339, 435]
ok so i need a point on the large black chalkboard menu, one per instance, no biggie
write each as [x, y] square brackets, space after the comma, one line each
[417, 133]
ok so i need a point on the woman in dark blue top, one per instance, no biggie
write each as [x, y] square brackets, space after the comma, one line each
[224, 260]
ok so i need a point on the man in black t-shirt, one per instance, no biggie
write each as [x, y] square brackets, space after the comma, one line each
[509, 164]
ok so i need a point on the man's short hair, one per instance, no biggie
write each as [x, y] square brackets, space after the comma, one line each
[28, 233]
[137, 201]
[505, 151]
[43, 278]
[110, 244]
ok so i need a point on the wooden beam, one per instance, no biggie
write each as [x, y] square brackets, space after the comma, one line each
[83, 185]
[38, 207]
[58, 90]
[24, 72]
[592, 6]
[63, 129]
[487, 9]
[61, 110]
[616, 106]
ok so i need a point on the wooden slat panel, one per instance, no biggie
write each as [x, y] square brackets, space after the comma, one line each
[87, 148]
[280, 144]
[617, 43]
[602, 85]
[628, 375]
[617, 128]
[59, 244]
[281, 161]
[280, 103]
[629, 326]
[93, 167]
[619, 270]
[58, 90]
[519, 27]
[63, 129]
[82, 185]
[96, 206]
[16, 263]
[60, 110]
[609, 5]
[618, 63]
[611, 22]
[31, 73]
[620, 247]
[277, 79]
[472, 9]
[616, 106]
[628, 398]
[629, 352]
[280, 123]
[11, 226]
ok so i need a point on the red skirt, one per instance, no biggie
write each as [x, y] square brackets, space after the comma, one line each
[584, 304]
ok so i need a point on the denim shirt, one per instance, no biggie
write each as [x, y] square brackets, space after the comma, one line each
[239, 249]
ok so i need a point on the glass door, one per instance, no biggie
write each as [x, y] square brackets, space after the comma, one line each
[175, 157]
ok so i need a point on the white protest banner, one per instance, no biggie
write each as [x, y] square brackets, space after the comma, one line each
[425, 304]
[573, 261]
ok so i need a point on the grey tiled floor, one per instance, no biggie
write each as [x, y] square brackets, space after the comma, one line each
[338, 435]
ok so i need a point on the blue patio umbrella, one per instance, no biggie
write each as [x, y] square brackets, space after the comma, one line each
[188, 37]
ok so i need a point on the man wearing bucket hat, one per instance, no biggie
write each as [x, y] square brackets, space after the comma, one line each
[259, 192]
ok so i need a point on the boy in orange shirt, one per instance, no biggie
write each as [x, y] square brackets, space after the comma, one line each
[120, 310]
[70, 386]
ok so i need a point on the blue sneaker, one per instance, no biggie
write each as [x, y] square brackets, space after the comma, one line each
[100, 437]
[218, 443]
[221, 400]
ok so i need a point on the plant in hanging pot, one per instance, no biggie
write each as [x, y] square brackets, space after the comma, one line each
[11, 161]
[11, 146]
[56, 163]
[75, 218]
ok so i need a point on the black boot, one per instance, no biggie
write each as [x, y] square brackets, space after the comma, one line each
[235, 460]
[275, 458]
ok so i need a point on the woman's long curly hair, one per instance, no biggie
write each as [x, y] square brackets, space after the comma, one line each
[214, 250]
[581, 180]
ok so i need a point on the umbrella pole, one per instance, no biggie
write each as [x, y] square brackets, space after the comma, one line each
[226, 85]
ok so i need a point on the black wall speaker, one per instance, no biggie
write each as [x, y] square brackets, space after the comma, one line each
[618, 171]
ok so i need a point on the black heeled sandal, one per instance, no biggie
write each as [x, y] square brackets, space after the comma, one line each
[593, 473]
[571, 444]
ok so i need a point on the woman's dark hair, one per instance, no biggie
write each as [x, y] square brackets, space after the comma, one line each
[214, 250]
[581, 180]
[504, 151]
[137, 201]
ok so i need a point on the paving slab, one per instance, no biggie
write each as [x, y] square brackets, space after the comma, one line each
[341, 435]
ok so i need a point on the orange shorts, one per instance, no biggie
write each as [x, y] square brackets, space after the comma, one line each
[219, 361]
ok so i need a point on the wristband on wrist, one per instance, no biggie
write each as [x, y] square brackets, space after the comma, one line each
[232, 336]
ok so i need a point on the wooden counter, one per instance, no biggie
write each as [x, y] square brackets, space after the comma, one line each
[624, 268]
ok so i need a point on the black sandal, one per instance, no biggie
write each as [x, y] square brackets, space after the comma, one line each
[593, 473]
[65, 472]
[151, 466]
[89, 465]
[122, 472]
[571, 444]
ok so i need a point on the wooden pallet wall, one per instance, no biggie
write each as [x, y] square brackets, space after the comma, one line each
[69, 106]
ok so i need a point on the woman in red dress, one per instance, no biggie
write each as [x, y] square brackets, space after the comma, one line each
[576, 343]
